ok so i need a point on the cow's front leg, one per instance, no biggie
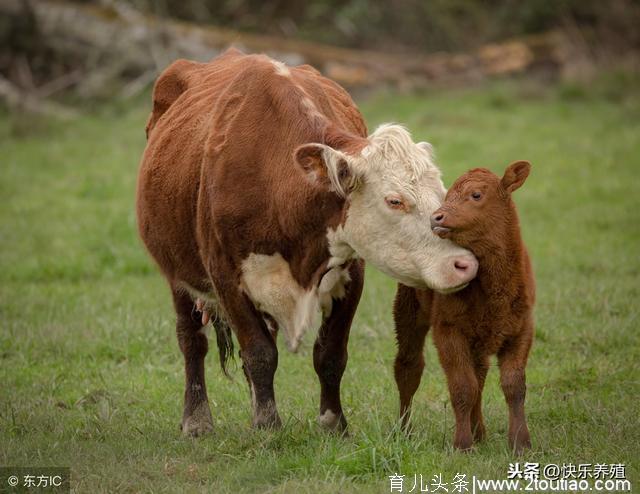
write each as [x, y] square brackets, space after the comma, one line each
[258, 352]
[196, 417]
[330, 351]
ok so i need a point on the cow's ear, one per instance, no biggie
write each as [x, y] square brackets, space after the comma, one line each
[515, 175]
[426, 147]
[326, 167]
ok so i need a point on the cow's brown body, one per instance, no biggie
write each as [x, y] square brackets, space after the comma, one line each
[217, 184]
[493, 315]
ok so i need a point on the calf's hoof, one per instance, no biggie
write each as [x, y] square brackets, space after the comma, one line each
[333, 422]
[521, 446]
[199, 422]
[463, 444]
[480, 433]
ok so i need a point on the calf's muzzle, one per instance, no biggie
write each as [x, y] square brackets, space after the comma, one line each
[461, 268]
[437, 223]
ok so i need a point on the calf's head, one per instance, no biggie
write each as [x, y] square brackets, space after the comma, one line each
[391, 186]
[478, 206]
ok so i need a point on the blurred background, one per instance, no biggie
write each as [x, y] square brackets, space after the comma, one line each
[96, 49]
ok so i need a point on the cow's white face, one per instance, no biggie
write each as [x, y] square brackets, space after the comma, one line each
[393, 187]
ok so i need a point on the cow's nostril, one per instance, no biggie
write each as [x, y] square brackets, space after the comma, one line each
[461, 265]
[465, 268]
[438, 217]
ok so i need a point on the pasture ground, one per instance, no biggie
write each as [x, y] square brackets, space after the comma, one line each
[90, 371]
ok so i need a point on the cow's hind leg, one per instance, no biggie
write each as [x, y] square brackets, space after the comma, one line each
[196, 418]
[330, 351]
[258, 351]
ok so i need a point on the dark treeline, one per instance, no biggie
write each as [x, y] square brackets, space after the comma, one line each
[422, 25]
[51, 48]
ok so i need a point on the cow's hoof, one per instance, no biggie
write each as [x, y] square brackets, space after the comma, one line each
[199, 422]
[266, 417]
[192, 428]
[333, 422]
[267, 423]
[407, 428]
[272, 424]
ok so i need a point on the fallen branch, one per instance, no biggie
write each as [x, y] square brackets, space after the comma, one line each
[28, 102]
[60, 83]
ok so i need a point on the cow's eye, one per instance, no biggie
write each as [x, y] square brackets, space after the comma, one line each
[394, 202]
[476, 196]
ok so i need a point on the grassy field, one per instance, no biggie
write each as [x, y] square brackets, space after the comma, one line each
[90, 371]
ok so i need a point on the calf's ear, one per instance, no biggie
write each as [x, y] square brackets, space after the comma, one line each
[515, 175]
[326, 167]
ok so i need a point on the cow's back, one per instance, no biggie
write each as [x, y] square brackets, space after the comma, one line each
[170, 170]
[219, 155]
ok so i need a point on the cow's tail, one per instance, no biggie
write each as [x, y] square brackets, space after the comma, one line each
[224, 340]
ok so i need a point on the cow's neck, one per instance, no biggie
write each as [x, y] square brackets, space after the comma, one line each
[312, 235]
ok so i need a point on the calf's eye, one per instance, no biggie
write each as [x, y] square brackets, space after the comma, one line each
[476, 196]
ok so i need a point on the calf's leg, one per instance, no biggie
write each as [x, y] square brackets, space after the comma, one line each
[330, 352]
[456, 360]
[481, 367]
[512, 360]
[411, 316]
[196, 417]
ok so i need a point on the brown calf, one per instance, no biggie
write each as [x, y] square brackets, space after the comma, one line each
[493, 315]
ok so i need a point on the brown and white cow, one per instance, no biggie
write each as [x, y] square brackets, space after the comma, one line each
[259, 195]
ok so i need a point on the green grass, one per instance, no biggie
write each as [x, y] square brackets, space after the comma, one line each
[91, 374]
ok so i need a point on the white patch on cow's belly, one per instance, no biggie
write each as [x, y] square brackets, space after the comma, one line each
[268, 282]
